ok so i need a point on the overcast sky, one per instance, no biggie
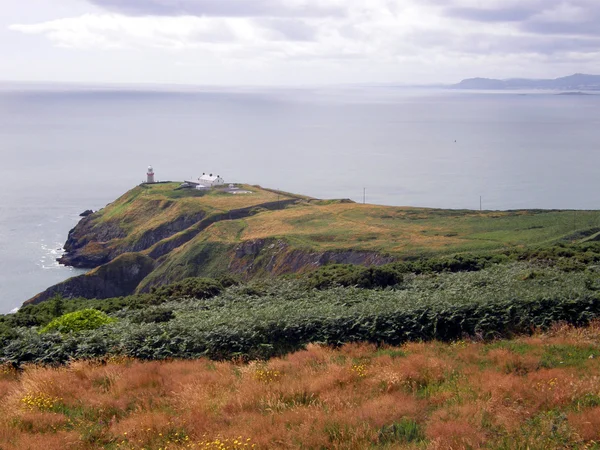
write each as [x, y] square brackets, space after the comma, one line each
[290, 42]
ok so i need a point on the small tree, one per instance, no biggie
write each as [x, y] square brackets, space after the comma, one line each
[58, 306]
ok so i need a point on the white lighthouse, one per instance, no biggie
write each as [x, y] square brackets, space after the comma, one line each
[150, 175]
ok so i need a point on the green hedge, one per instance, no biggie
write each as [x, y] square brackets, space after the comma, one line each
[284, 316]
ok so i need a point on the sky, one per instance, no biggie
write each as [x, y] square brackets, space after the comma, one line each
[296, 42]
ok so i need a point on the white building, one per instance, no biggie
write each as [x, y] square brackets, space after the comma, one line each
[211, 180]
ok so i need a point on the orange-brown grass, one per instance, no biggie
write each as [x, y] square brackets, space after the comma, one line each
[463, 395]
[586, 424]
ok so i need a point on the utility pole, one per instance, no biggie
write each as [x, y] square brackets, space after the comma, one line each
[480, 209]
[364, 195]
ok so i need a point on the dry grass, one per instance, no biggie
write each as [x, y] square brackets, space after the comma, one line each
[336, 225]
[464, 395]
[152, 206]
[408, 230]
[226, 202]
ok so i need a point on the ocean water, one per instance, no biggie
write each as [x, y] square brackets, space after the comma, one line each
[66, 149]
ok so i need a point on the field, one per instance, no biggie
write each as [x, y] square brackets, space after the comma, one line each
[413, 231]
[151, 213]
[315, 227]
[536, 392]
[339, 223]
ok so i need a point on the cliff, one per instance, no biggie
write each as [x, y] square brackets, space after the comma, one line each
[156, 234]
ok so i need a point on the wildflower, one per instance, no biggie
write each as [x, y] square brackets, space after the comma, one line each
[39, 400]
[266, 375]
[360, 370]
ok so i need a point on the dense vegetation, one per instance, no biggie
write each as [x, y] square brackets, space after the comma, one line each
[535, 393]
[489, 296]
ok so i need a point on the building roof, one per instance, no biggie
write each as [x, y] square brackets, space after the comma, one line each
[209, 178]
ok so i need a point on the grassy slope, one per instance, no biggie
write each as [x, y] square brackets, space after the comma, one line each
[147, 207]
[414, 231]
[322, 225]
[536, 392]
[403, 232]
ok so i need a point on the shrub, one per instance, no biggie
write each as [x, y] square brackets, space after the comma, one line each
[351, 275]
[157, 315]
[86, 319]
[198, 288]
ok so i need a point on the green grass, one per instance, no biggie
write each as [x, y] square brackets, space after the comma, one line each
[334, 225]
[568, 355]
[515, 346]
[148, 209]
[414, 231]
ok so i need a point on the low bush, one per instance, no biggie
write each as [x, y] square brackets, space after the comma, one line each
[156, 315]
[86, 319]
[392, 274]
[198, 288]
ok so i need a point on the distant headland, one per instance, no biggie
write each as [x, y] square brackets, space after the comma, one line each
[576, 82]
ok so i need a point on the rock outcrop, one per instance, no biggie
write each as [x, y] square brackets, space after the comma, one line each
[91, 244]
[118, 278]
[86, 245]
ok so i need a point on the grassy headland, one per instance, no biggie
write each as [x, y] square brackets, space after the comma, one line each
[187, 233]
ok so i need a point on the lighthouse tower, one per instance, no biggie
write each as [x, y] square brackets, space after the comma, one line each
[150, 175]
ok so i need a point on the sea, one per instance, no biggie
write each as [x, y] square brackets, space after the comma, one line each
[68, 148]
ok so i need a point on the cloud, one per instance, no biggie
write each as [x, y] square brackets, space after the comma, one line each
[356, 37]
[575, 19]
[224, 8]
[548, 17]
[106, 31]
[289, 29]
[347, 33]
[516, 14]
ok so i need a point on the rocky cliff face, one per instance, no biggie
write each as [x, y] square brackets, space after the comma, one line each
[135, 272]
[277, 257]
[118, 278]
[252, 259]
[93, 243]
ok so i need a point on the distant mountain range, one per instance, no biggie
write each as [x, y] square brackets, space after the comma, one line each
[577, 82]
